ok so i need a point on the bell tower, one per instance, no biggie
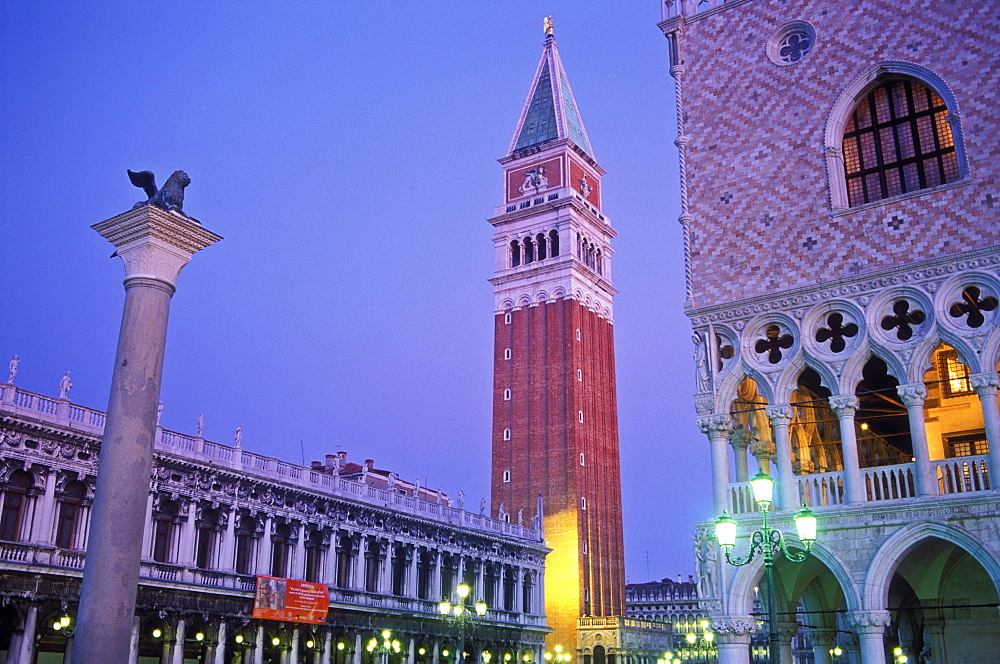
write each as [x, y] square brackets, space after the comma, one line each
[555, 417]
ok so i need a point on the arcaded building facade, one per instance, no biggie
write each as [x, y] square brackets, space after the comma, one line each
[217, 516]
[841, 216]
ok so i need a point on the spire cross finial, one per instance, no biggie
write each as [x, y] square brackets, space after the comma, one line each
[549, 25]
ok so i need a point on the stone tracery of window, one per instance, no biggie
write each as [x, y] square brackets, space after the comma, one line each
[836, 331]
[898, 139]
[972, 306]
[904, 320]
[773, 343]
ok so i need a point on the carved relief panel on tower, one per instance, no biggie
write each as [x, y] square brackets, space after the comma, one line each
[585, 183]
[534, 178]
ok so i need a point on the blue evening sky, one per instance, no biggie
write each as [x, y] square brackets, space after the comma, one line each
[347, 153]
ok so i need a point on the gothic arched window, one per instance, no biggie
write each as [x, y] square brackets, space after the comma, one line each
[898, 140]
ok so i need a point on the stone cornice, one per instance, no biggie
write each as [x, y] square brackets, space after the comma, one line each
[917, 273]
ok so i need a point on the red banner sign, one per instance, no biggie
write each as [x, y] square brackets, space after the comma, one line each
[291, 600]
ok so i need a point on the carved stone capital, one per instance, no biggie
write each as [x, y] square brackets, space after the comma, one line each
[154, 243]
[869, 622]
[719, 423]
[821, 637]
[734, 629]
[913, 394]
[985, 384]
[844, 405]
[779, 415]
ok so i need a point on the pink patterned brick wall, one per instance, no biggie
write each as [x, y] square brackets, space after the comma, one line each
[759, 194]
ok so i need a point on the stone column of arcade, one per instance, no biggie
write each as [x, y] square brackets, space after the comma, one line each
[154, 244]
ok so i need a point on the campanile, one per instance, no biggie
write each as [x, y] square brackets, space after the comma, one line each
[555, 418]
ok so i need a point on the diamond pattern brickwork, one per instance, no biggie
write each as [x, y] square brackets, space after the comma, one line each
[755, 143]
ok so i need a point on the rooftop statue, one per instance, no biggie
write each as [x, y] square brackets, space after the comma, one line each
[170, 197]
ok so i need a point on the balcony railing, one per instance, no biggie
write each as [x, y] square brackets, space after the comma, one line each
[62, 413]
[882, 483]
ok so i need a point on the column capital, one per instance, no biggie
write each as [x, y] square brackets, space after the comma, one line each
[718, 423]
[912, 394]
[734, 629]
[154, 243]
[821, 637]
[779, 415]
[869, 622]
[844, 405]
[985, 384]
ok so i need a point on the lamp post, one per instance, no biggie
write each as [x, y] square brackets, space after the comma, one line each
[559, 657]
[460, 615]
[387, 646]
[769, 542]
[700, 649]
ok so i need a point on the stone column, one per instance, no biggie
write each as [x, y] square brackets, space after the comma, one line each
[185, 544]
[26, 648]
[845, 405]
[359, 567]
[412, 573]
[154, 245]
[732, 638]
[258, 646]
[294, 653]
[133, 653]
[787, 630]
[717, 427]
[985, 385]
[870, 626]
[325, 656]
[147, 528]
[821, 640]
[297, 566]
[264, 549]
[227, 548]
[788, 490]
[219, 649]
[44, 534]
[740, 442]
[913, 397]
[934, 639]
[177, 656]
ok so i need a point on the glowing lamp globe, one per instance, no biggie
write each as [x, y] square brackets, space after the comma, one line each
[805, 524]
[763, 490]
[725, 531]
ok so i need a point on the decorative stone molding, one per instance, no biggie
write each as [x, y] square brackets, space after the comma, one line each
[718, 424]
[153, 243]
[734, 629]
[985, 384]
[704, 404]
[869, 622]
[844, 405]
[913, 394]
[779, 415]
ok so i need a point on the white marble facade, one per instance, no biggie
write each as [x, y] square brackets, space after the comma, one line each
[217, 516]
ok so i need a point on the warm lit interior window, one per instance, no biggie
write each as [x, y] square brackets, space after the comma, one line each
[954, 375]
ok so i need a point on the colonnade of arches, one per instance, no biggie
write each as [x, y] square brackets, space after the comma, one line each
[929, 590]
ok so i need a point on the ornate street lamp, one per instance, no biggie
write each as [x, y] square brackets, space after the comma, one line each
[559, 655]
[769, 542]
[460, 615]
[384, 648]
